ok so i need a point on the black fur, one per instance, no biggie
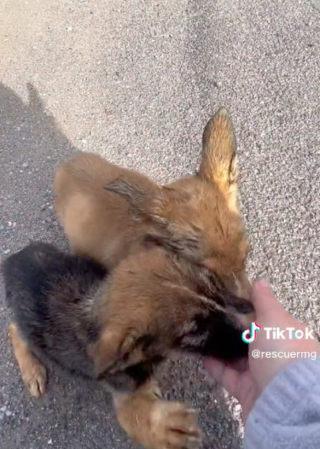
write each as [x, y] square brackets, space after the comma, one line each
[214, 335]
[49, 293]
[52, 295]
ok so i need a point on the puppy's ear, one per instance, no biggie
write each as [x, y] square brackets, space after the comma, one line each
[111, 352]
[171, 238]
[136, 195]
[105, 352]
[156, 202]
[218, 164]
[161, 206]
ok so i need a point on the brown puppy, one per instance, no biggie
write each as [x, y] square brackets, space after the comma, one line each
[196, 216]
[157, 301]
[97, 223]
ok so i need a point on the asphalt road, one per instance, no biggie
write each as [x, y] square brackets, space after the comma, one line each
[136, 82]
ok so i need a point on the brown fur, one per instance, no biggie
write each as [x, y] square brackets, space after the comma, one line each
[196, 216]
[152, 304]
[96, 224]
[34, 374]
[157, 423]
[182, 295]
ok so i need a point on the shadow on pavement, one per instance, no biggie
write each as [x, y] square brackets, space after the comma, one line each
[73, 414]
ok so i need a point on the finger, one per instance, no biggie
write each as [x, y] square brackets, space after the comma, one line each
[231, 380]
[215, 368]
[264, 300]
[240, 365]
[227, 377]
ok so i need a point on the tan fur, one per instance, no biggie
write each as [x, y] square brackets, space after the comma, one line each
[156, 423]
[33, 373]
[96, 223]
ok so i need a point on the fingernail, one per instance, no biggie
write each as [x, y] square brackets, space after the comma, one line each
[264, 283]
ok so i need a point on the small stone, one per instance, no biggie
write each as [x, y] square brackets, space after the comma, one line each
[3, 409]
[70, 28]
[50, 441]
[1, 415]
[8, 413]
[6, 251]
[25, 165]
[9, 223]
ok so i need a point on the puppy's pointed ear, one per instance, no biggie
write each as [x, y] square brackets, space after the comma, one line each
[136, 195]
[112, 351]
[105, 352]
[115, 351]
[156, 202]
[218, 164]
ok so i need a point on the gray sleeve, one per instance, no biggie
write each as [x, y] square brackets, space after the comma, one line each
[287, 414]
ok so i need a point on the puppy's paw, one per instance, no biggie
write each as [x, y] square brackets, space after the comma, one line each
[34, 377]
[34, 374]
[174, 426]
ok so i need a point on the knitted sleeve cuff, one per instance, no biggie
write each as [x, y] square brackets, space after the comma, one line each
[282, 404]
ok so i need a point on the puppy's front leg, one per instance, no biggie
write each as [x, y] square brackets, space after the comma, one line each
[156, 423]
[34, 374]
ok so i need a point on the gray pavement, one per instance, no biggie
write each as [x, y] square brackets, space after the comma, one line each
[136, 81]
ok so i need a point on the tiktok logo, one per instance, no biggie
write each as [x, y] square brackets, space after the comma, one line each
[250, 334]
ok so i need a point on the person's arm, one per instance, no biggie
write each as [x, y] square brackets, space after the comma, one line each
[279, 395]
[287, 413]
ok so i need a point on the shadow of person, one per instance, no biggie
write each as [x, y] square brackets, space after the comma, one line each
[31, 145]
[77, 413]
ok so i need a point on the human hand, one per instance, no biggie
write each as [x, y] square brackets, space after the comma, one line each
[247, 384]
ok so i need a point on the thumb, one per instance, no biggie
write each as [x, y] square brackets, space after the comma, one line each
[264, 301]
